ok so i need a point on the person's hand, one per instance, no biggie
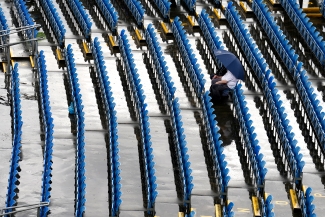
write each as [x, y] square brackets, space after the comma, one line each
[216, 76]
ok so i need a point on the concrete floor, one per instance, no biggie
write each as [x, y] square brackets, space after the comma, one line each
[167, 203]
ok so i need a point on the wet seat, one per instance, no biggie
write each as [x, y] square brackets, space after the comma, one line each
[164, 7]
[109, 13]
[54, 20]
[81, 16]
[136, 9]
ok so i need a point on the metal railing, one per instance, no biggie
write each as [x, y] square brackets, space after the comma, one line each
[24, 208]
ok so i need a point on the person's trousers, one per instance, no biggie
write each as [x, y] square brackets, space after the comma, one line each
[217, 91]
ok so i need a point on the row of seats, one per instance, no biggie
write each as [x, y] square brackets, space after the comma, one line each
[252, 146]
[314, 110]
[213, 43]
[24, 17]
[276, 36]
[209, 118]
[109, 13]
[193, 69]
[164, 7]
[81, 16]
[54, 20]
[215, 145]
[306, 202]
[79, 117]
[267, 207]
[47, 125]
[198, 84]
[306, 29]
[178, 130]
[281, 123]
[284, 129]
[288, 55]
[3, 22]
[259, 66]
[13, 180]
[290, 147]
[159, 63]
[209, 34]
[108, 99]
[3, 27]
[168, 88]
[142, 112]
[137, 10]
[190, 4]
[182, 156]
